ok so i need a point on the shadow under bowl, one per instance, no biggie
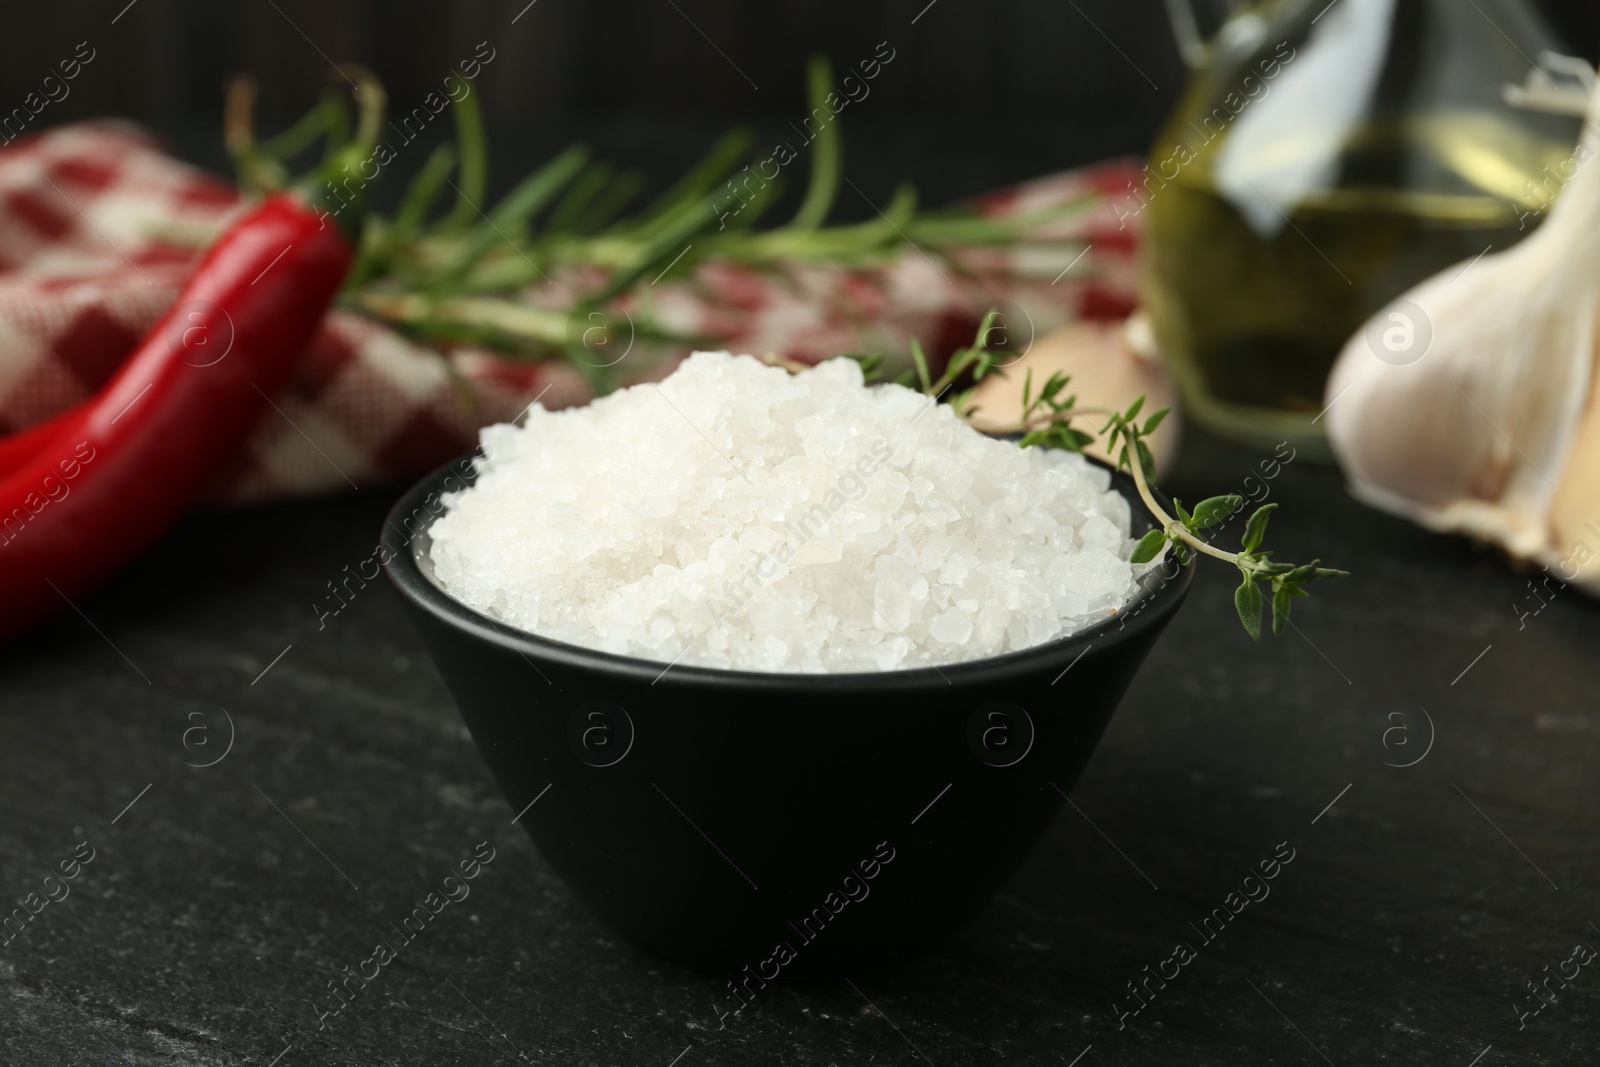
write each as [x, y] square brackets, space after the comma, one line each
[794, 824]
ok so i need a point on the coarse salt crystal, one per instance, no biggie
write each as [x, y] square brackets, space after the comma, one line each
[737, 516]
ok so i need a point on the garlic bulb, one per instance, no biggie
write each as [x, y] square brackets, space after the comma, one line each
[1466, 405]
[1110, 364]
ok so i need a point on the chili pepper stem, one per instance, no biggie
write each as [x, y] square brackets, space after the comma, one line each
[256, 173]
[345, 163]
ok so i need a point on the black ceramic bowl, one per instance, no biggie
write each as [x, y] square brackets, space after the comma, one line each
[789, 823]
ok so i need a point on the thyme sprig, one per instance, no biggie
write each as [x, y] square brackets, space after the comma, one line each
[1047, 422]
[970, 364]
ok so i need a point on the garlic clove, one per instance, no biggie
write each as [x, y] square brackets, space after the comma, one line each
[1458, 406]
[1574, 550]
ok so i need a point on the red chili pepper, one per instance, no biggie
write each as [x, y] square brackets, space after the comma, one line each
[17, 448]
[117, 471]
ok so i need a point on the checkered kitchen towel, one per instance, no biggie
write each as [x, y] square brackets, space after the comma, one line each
[99, 229]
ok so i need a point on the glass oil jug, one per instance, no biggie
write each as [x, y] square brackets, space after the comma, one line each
[1325, 158]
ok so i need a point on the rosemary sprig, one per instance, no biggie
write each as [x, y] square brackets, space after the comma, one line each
[1047, 419]
[436, 265]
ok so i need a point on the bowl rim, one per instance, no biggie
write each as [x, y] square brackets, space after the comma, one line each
[1155, 604]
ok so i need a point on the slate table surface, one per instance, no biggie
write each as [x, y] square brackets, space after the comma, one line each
[222, 899]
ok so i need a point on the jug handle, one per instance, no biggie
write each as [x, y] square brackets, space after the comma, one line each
[1539, 92]
[1192, 43]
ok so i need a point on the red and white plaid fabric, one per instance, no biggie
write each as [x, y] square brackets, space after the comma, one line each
[99, 228]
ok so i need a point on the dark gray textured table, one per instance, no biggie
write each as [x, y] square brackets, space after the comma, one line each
[222, 901]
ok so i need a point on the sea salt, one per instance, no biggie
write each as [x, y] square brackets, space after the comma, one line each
[738, 516]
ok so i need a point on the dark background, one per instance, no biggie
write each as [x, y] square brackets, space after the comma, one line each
[979, 94]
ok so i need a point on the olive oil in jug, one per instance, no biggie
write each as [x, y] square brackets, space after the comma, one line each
[1317, 168]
